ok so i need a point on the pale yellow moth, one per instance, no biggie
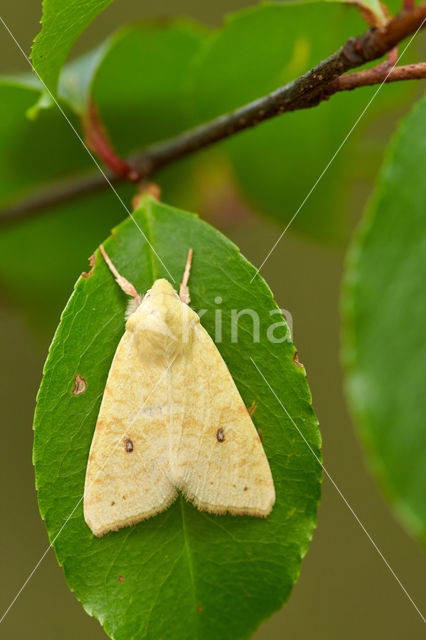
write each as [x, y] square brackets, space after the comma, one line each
[171, 420]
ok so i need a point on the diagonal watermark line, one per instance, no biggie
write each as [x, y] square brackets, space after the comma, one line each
[39, 562]
[336, 153]
[30, 575]
[340, 494]
[95, 161]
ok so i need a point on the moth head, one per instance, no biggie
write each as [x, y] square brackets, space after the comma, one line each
[161, 300]
[162, 324]
[161, 287]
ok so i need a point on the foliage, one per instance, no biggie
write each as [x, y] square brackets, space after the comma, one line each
[191, 75]
[270, 161]
[384, 344]
[62, 24]
[183, 573]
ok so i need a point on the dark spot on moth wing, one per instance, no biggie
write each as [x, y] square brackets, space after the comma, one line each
[112, 503]
[245, 488]
[128, 445]
[220, 435]
[80, 385]
[120, 578]
[259, 433]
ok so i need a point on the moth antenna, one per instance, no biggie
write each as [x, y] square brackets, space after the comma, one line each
[124, 284]
[184, 289]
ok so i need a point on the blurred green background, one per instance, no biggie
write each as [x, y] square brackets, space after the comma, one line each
[345, 589]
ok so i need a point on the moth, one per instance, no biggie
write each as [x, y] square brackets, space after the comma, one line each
[171, 420]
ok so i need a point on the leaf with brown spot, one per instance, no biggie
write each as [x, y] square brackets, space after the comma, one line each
[92, 262]
[176, 551]
[79, 385]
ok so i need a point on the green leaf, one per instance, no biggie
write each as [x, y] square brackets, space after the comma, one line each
[135, 101]
[150, 102]
[40, 256]
[117, 77]
[135, 105]
[183, 573]
[75, 81]
[202, 76]
[385, 310]
[278, 162]
[62, 23]
[33, 150]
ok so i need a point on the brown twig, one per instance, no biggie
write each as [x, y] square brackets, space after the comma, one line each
[307, 91]
[376, 75]
[392, 58]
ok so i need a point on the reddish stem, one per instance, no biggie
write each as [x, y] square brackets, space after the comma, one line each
[378, 74]
[98, 141]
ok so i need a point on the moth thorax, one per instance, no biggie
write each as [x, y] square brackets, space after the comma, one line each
[162, 336]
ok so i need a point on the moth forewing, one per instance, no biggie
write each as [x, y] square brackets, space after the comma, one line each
[223, 465]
